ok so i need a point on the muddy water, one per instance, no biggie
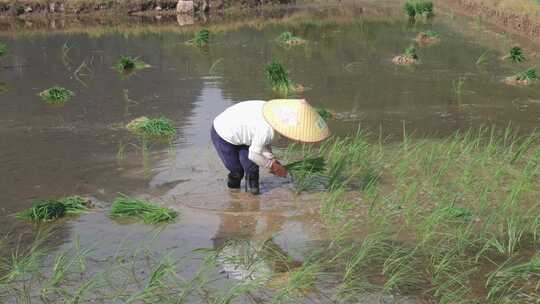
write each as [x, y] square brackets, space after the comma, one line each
[81, 148]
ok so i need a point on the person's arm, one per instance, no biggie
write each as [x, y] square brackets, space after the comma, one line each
[267, 152]
[256, 155]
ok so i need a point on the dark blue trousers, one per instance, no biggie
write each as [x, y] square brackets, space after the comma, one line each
[235, 158]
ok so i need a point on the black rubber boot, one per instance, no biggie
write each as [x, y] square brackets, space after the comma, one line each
[252, 182]
[234, 180]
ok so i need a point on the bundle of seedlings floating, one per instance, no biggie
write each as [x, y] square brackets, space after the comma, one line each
[52, 209]
[152, 128]
[201, 39]
[408, 57]
[414, 8]
[324, 113]
[56, 95]
[522, 78]
[146, 211]
[428, 37]
[127, 64]
[288, 38]
[280, 81]
[515, 55]
[3, 49]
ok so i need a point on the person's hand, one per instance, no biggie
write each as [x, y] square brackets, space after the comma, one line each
[278, 169]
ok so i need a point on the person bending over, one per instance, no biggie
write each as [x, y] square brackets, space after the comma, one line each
[243, 135]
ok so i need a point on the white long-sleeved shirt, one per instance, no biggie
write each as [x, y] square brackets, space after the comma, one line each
[244, 124]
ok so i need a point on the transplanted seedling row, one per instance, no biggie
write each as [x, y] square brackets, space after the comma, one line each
[123, 206]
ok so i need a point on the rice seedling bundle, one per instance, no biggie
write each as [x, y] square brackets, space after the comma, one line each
[125, 206]
[202, 38]
[289, 39]
[56, 95]
[279, 79]
[52, 209]
[432, 34]
[522, 78]
[324, 113]
[152, 127]
[410, 52]
[527, 75]
[3, 49]
[418, 8]
[128, 63]
[515, 55]
[277, 75]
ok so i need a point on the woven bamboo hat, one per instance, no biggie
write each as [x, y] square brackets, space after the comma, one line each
[296, 119]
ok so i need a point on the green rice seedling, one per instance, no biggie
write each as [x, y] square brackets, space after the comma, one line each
[277, 76]
[410, 52]
[3, 87]
[324, 113]
[415, 8]
[127, 64]
[201, 39]
[52, 209]
[424, 8]
[279, 79]
[527, 75]
[432, 34]
[515, 55]
[428, 37]
[152, 128]
[56, 95]
[124, 206]
[515, 278]
[457, 85]
[289, 39]
[316, 164]
[410, 9]
[522, 78]
[3, 49]
[482, 59]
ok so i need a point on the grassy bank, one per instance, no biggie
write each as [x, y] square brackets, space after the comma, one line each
[516, 16]
[452, 220]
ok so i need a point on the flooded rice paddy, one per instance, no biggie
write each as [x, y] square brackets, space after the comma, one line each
[82, 147]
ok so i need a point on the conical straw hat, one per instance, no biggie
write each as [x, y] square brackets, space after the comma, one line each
[295, 119]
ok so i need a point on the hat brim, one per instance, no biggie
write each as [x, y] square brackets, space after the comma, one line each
[296, 120]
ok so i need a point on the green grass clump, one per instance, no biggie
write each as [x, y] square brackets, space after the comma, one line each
[125, 206]
[52, 209]
[152, 127]
[201, 39]
[527, 75]
[56, 95]
[289, 39]
[515, 55]
[3, 49]
[410, 52]
[415, 8]
[128, 64]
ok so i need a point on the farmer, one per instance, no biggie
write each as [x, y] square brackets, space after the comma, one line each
[243, 134]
